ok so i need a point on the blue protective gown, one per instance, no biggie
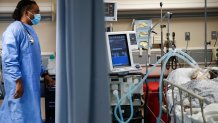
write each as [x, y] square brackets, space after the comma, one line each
[21, 58]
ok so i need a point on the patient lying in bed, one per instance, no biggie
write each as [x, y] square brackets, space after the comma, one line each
[197, 80]
[203, 82]
[183, 75]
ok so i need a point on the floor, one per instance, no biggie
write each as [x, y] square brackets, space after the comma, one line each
[43, 110]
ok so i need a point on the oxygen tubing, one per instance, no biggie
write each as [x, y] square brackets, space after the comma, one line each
[166, 57]
[133, 89]
[160, 86]
[120, 111]
[175, 53]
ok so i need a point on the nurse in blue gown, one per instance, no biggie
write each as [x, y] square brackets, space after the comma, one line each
[22, 67]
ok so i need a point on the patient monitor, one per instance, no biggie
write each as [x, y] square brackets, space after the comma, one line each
[119, 53]
[110, 10]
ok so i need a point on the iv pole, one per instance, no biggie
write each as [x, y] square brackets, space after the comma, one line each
[168, 14]
[161, 26]
[205, 42]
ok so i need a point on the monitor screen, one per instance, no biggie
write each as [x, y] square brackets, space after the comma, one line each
[110, 11]
[119, 50]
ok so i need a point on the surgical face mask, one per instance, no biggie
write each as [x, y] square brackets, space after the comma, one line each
[36, 19]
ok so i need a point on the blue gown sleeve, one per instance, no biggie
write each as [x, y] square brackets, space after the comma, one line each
[10, 55]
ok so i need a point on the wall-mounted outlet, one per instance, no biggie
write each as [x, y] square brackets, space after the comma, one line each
[214, 35]
[187, 36]
[157, 57]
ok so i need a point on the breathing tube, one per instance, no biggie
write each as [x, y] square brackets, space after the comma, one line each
[120, 111]
[181, 55]
[178, 53]
[115, 92]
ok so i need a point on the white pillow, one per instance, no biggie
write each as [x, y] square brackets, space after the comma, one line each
[181, 75]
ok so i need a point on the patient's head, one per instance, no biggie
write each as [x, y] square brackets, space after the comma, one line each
[200, 74]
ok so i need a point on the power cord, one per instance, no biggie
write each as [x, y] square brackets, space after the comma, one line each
[215, 43]
[186, 47]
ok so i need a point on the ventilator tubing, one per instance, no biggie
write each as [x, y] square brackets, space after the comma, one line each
[120, 111]
[178, 53]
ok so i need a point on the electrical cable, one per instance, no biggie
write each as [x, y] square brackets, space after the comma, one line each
[146, 98]
[186, 47]
[211, 59]
[215, 43]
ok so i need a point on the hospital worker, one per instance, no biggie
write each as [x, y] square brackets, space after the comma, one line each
[22, 67]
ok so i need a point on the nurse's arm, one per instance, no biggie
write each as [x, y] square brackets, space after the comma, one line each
[10, 59]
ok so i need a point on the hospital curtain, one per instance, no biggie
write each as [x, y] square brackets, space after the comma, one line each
[82, 89]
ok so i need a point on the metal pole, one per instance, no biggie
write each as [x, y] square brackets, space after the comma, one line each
[205, 43]
[161, 26]
[168, 27]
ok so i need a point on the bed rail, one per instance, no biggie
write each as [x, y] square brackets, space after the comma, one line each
[190, 95]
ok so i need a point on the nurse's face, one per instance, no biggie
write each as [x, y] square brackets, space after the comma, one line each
[34, 10]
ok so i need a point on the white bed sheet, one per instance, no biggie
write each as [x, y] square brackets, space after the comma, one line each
[178, 76]
[182, 76]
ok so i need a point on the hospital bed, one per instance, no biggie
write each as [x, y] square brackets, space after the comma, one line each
[191, 101]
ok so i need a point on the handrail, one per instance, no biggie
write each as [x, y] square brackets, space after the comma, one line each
[190, 94]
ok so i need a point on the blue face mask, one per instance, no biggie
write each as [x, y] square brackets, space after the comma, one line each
[36, 19]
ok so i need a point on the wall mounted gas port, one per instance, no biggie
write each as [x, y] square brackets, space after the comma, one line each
[187, 36]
